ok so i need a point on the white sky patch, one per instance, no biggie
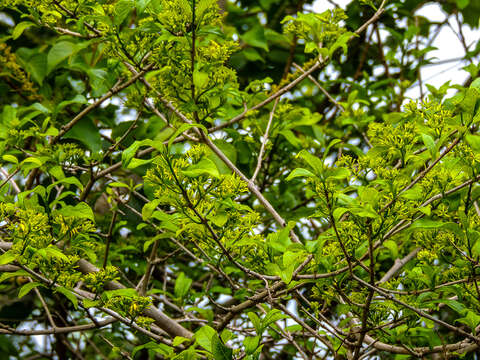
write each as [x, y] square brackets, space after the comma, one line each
[7, 20]
[449, 46]
[323, 5]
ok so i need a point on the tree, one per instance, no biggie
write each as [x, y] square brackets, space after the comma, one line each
[189, 179]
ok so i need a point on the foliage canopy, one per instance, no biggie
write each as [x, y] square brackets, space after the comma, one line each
[193, 179]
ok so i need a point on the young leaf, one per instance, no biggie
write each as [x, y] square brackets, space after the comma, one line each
[299, 172]
[20, 28]
[182, 285]
[203, 167]
[69, 295]
[257, 323]
[219, 350]
[7, 257]
[10, 158]
[81, 210]
[251, 344]
[203, 337]
[59, 52]
[25, 289]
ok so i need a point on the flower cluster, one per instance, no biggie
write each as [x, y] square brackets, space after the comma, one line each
[320, 28]
[129, 306]
[204, 201]
[97, 280]
[10, 68]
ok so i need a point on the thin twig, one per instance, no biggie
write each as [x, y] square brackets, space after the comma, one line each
[114, 90]
[142, 286]
[109, 238]
[264, 141]
[8, 178]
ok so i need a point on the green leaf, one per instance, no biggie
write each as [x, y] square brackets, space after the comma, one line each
[20, 28]
[77, 99]
[69, 295]
[472, 69]
[134, 163]
[453, 304]
[99, 81]
[291, 138]
[219, 350]
[200, 79]
[81, 210]
[118, 184]
[462, 4]
[183, 128]
[299, 172]
[256, 38]
[365, 212]
[10, 158]
[471, 319]
[122, 10]
[130, 293]
[280, 240]
[182, 285]
[219, 219]
[59, 52]
[337, 173]
[314, 162]
[369, 3]
[341, 42]
[68, 181]
[473, 141]
[87, 133]
[469, 102]
[427, 210]
[158, 348]
[141, 5]
[251, 344]
[178, 340]
[290, 257]
[415, 193]
[37, 66]
[9, 115]
[203, 337]
[427, 224]
[329, 146]
[228, 150]
[252, 55]
[475, 83]
[25, 289]
[53, 252]
[203, 167]
[226, 335]
[257, 323]
[149, 208]
[129, 153]
[91, 303]
[272, 316]
[430, 144]
[35, 63]
[51, 131]
[392, 246]
[167, 220]
[286, 274]
[310, 47]
[8, 275]
[7, 258]
[34, 160]
[338, 213]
